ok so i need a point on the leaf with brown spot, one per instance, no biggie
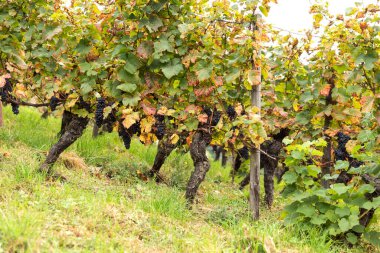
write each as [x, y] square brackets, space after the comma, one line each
[325, 91]
[202, 118]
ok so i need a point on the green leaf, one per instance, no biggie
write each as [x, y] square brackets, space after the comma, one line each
[87, 87]
[154, 23]
[233, 75]
[127, 87]
[84, 66]
[373, 237]
[290, 177]
[352, 238]
[162, 45]
[340, 68]
[307, 210]
[366, 188]
[366, 135]
[344, 225]
[318, 220]
[131, 100]
[83, 46]
[340, 188]
[191, 124]
[119, 49]
[368, 58]
[132, 64]
[172, 69]
[313, 170]
[297, 154]
[51, 32]
[342, 211]
[342, 165]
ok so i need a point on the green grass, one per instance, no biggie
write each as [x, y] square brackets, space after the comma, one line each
[92, 212]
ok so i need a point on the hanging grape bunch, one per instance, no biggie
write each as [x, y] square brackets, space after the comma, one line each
[100, 105]
[124, 136]
[160, 126]
[15, 108]
[231, 113]
[6, 90]
[53, 103]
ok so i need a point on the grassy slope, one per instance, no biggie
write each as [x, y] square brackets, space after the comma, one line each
[92, 213]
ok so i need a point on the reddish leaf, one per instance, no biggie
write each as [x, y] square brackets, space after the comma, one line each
[325, 90]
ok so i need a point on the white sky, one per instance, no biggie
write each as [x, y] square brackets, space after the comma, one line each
[293, 15]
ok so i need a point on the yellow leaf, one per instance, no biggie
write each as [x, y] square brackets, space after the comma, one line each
[174, 138]
[254, 77]
[163, 110]
[350, 145]
[130, 119]
[146, 124]
[71, 100]
[296, 105]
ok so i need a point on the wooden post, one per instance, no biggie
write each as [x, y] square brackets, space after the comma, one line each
[254, 183]
[1, 114]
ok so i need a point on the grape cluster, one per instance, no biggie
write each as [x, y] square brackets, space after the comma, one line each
[213, 116]
[231, 113]
[244, 152]
[134, 129]
[109, 122]
[100, 105]
[6, 90]
[124, 136]
[53, 103]
[160, 126]
[83, 104]
[15, 108]
[341, 152]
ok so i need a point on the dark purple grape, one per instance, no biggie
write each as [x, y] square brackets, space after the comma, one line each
[53, 103]
[100, 105]
[231, 113]
[124, 136]
[15, 108]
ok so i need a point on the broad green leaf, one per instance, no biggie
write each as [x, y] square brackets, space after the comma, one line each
[127, 87]
[299, 155]
[352, 238]
[344, 225]
[172, 69]
[290, 177]
[162, 45]
[318, 220]
[373, 237]
[340, 188]
[366, 188]
[366, 135]
[342, 211]
[307, 210]
[154, 23]
[52, 31]
[342, 165]
[84, 66]
[131, 100]
[83, 46]
[132, 64]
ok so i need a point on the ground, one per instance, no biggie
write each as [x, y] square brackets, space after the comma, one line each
[107, 206]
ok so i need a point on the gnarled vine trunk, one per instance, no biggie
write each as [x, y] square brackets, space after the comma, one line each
[66, 119]
[72, 128]
[269, 162]
[164, 149]
[201, 163]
